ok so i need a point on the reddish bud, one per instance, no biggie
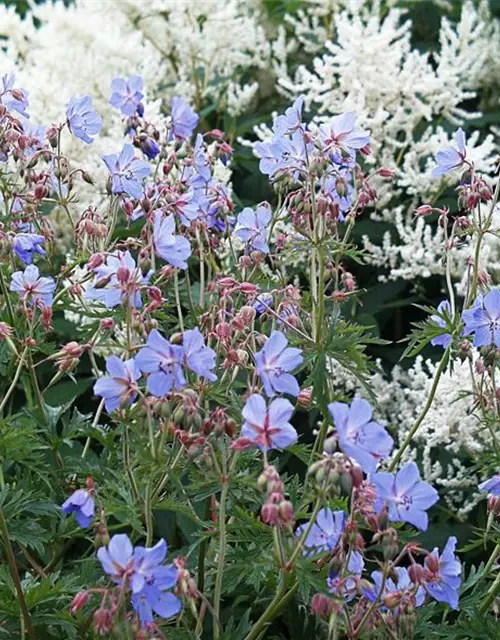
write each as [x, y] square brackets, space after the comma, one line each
[387, 173]
[248, 288]
[286, 512]
[5, 330]
[123, 275]
[321, 605]
[79, 601]
[270, 514]
[95, 261]
[242, 444]
[424, 210]
[103, 621]
[47, 318]
[416, 573]
[304, 398]
[223, 330]
[107, 324]
[226, 282]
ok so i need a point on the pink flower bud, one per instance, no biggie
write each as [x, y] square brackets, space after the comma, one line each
[387, 173]
[5, 330]
[304, 398]
[242, 444]
[416, 573]
[107, 324]
[95, 261]
[226, 282]
[47, 318]
[79, 601]
[286, 512]
[270, 514]
[103, 621]
[217, 134]
[248, 288]
[321, 605]
[123, 275]
[247, 315]
[423, 210]
[223, 330]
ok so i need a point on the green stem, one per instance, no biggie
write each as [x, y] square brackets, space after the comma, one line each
[148, 514]
[203, 548]
[423, 413]
[307, 530]
[15, 576]
[222, 551]
[178, 300]
[14, 381]
[277, 603]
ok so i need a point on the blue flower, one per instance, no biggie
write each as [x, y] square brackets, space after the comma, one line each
[284, 154]
[117, 558]
[290, 120]
[492, 485]
[127, 171]
[325, 532]
[150, 148]
[150, 583]
[163, 361]
[27, 244]
[184, 119]
[142, 570]
[252, 227]
[12, 98]
[186, 206]
[483, 320]
[443, 340]
[83, 121]
[347, 587]
[126, 94]
[81, 503]
[403, 585]
[268, 427]
[33, 288]
[341, 139]
[360, 438]
[449, 158]
[198, 357]
[407, 496]
[442, 574]
[118, 280]
[174, 249]
[274, 361]
[119, 389]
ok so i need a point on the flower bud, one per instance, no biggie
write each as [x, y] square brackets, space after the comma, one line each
[304, 398]
[248, 288]
[416, 573]
[423, 210]
[387, 173]
[103, 621]
[286, 512]
[95, 261]
[321, 605]
[79, 601]
[270, 514]
[242, 444]
[122, 275]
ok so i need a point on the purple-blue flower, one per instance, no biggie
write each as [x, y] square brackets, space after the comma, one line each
[186, 206]
[341, 139]
[117, 558]
[150, 582]
[119, 389]
[81, 503]
[443, 340]
[150, 148]
[360, 438]
[32, 287]
[407, 496]
[346, 587]
[491, 486]
[197, 356]
[325, 532]
[126, 94]
[27, 244]
[268, 426]
[284, 153]
[449, 158]
[273, 363]
[483, 320]
[184, 119]
[442, 574]
[252, 227]
[163, 361]
[83, 121]
[13, 99]
[142, 570]
[403, 585]
[174, 249]
[117, 280]
[290, 120]
[127, 171]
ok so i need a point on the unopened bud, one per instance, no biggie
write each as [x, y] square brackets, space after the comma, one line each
[79, 601]
[321, 605]
[416, 573]
[304, 398]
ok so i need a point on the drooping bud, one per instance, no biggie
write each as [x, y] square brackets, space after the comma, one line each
[79, 601]
[321, 605]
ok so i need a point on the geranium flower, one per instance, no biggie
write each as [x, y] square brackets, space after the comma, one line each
[268, 427]
[83, 121]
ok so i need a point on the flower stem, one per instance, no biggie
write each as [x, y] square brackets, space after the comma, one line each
[222, 547]
[15, 577]
[178, 300]
[277, 603]
[14, 381]
[440, 370]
